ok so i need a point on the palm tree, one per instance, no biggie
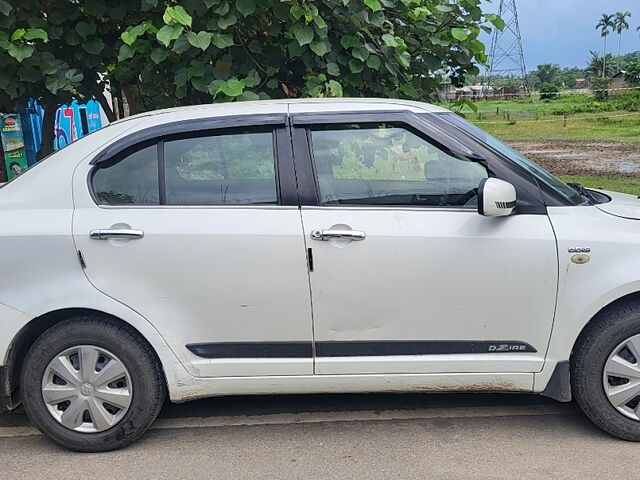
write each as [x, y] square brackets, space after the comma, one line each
[596, 63]
[620, 24]
[606, 22]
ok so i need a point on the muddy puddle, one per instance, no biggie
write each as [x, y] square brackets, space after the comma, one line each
[583, 157]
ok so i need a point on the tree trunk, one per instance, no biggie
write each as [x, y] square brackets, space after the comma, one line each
[132, 99]
[619, 49]
[604, 57]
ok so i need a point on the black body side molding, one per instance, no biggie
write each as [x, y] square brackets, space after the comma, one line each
[355, 348]
[252, 349]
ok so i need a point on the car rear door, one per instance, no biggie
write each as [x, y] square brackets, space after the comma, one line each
[407, 276]
[195, 226]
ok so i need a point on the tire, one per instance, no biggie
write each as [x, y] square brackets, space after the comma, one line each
[142, 384]
[611, 331]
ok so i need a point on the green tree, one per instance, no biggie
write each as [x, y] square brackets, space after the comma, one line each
[163, 53]
[568, 75]
[548, 91]
[620, 24]
[57, 50]
[632, 74]
[547, 73]
[597, 64]
[604, 25]
[266, 49]
[600, 87]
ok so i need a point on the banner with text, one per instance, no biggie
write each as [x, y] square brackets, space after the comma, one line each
[15, 155]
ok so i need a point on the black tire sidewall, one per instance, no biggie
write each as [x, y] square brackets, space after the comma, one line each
[113, 338]
[588, 364]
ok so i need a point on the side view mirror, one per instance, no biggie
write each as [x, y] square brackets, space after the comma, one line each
[496, 198]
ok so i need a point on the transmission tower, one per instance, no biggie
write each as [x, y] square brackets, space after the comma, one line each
[505, 56]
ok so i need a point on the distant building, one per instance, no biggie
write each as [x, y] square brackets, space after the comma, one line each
[618, 83]
[472, 92]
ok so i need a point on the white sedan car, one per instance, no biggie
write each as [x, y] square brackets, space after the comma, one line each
[308, 246]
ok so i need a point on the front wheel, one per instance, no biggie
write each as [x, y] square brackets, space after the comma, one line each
[605, 371]
[92, 385]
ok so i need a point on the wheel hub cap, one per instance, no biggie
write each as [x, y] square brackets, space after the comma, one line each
[621, 377]
[87, 389]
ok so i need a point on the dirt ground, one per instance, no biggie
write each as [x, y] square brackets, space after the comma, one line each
[579, 157]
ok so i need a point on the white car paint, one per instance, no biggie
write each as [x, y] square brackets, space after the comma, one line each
[625, 206]
[508, 268]
[432, 274]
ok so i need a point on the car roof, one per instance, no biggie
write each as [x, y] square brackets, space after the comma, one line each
[299, 105]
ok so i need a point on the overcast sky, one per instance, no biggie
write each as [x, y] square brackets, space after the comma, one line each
[563, 31]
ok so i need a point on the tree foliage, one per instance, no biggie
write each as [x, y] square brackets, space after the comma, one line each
[596, 64]
[546, 73]
[548, 91]
[600, 87]
[250, 49]
[632, 74]
[59, 50]
[164, 53]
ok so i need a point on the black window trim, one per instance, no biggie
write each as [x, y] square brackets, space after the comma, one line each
[454, 142]
[187, 126]
[435, 135]
[157, 135]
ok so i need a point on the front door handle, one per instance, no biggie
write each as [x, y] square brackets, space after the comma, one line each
[108, 233]
[346, 234]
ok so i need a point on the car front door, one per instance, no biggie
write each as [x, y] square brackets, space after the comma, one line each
[407, 276]
[198, 230]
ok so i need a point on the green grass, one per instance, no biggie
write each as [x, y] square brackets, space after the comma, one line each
[535, 119]
[615, 184]
[585, 126]
[532, 105]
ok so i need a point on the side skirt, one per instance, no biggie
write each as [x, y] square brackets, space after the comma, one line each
[316, 384]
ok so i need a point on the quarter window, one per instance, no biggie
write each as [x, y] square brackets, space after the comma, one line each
[130, 180]
[386, 164]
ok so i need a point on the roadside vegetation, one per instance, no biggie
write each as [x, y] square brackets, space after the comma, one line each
[569, 116]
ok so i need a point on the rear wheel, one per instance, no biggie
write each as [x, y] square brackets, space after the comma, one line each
[606, 371]
[91, 384]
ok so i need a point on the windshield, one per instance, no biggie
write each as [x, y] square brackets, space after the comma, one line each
[540, 173]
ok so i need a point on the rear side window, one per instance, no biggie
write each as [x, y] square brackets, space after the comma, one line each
[130, 180]
[387, 164]
[229, 169]
[235, 168]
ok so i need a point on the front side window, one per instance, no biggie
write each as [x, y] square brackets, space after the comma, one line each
[387, 164]
[132, 179]
[230, 169]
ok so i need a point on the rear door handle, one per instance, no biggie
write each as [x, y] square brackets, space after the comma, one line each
[107, 233]
[329, 234]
